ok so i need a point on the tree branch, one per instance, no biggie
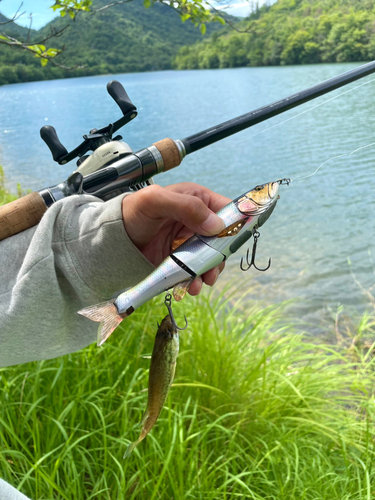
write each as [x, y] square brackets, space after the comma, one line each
[38, 50]
[219, 13]
[15, 17]
[29, 31]
[53, 34]
[111, 5]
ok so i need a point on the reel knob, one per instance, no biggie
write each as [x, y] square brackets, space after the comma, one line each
[49, 136]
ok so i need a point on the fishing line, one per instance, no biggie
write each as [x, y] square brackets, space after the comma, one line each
[308, 110]
[333, 158]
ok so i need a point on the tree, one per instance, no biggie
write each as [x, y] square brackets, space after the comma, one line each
[195, 11]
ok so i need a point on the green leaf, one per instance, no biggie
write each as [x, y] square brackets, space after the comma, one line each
[52, 52]
[147, 3]
[4, 37]
[203, 29]
[43, 61]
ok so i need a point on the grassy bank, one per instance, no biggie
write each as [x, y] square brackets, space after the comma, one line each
[257, 411]
[5, 195]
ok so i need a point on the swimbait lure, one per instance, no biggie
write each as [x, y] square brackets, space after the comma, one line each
[242, 217]
[162, 370]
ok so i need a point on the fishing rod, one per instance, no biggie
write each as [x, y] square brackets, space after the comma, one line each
[113, 167]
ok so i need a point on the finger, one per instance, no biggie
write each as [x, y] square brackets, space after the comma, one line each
[213, 200]
[211, 276]
[196, 287]
[158, 203]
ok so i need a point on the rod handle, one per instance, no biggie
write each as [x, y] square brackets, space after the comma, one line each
[169, 152]
[21, 214]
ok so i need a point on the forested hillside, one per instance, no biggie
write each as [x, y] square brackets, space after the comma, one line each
[123, 38]
[290, 32]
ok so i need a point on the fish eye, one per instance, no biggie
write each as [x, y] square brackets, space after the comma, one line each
[258, 188]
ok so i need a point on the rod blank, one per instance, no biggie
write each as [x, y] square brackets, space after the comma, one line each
[223, 130]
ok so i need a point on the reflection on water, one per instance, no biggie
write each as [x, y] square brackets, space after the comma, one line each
[320, 222]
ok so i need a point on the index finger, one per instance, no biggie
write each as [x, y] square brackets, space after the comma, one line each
[212, 200]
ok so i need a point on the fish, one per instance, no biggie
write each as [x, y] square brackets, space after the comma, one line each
[242, 217]
[162, 371]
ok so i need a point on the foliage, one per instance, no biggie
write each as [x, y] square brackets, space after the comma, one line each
[256, 411]
[192, 10]
[5, 195]
[139, 39]
[291, 32]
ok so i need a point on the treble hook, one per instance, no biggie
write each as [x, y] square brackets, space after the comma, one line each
[256, 235]
[168, 303]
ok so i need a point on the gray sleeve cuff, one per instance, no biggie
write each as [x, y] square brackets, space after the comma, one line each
[7, 492]
[98, 249]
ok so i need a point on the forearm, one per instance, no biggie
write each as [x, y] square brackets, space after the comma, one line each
[79, 254]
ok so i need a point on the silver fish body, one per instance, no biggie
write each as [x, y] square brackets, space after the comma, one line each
[162, 371]
[193, 258]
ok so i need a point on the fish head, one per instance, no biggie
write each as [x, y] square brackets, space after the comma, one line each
[167, 329]
[260, 201]
[167, 339]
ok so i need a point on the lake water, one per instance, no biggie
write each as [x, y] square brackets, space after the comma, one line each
[319, 223]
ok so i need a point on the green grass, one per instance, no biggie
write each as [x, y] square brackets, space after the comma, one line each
[5, 195]
[257, 411]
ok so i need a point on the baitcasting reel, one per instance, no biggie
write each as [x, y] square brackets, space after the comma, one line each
[105, 149]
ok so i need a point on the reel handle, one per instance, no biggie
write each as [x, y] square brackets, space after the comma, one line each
[119, 95]
[49, 136]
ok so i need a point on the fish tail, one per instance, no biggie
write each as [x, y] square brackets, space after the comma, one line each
[107, 315]
[131, 446]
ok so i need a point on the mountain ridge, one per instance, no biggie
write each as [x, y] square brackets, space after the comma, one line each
[290, 32]
[121, 39]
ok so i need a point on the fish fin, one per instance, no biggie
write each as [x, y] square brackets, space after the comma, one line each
[180, 290]
[131, 447]
[144, 418]
[107, 315]
[233, 229]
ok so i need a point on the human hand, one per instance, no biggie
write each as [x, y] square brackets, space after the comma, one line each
[155, 216]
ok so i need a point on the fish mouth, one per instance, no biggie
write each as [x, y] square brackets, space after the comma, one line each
[273, 189]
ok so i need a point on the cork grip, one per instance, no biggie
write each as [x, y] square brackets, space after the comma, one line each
[170, 153]
[21, 214]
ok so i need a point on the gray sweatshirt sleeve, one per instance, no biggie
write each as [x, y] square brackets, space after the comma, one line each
[7, 492]
[78, 255]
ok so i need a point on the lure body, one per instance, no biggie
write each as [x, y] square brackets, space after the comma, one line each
[193, 258]
[162, 370]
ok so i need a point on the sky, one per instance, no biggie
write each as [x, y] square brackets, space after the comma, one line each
[42, 13]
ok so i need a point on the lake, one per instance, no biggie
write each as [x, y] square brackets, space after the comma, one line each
[320, 222]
